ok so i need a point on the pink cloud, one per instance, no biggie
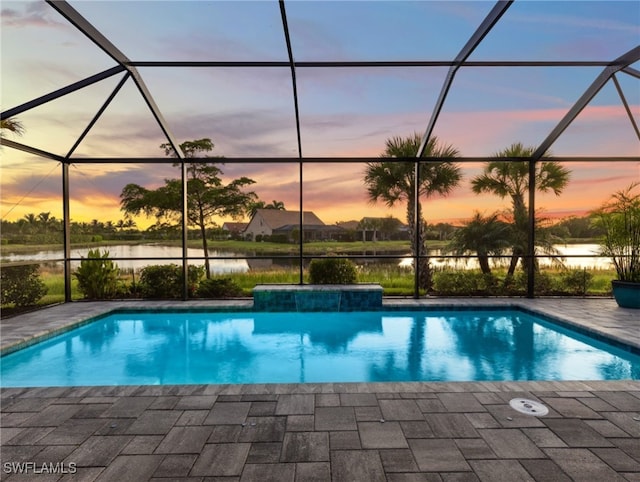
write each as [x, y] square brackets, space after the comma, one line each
[37, 14]
[482, 133]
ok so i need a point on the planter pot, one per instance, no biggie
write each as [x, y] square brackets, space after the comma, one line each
[626, 293]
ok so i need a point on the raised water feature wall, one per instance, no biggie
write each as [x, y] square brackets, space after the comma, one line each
[357, 297]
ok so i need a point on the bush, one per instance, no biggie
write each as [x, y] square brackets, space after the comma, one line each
[576, 281]
[165, 281]
[332, 271]
[279, 238]
[218, 288]
[464, 283]
[21, 285]
[543, 283]
[517, 285]
[98, 276]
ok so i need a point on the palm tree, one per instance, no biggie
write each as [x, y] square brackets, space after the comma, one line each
[32, 222]
[46, 220]
[255, 206]
[394, 182]
[511, 179]
[279, 205]
[11, 125]
[21, 225]
[487, 236]
[110, 227]
[370, 224]
[97, 227]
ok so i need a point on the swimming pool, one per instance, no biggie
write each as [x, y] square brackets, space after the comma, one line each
[190, 347]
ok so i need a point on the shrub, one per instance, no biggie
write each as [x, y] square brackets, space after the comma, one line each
[619, 219]
[218, 288]
[21, 285]
[576, 281]
[517, 285]
[165, 281]
[464, 283]
[279, 238]
[98, 276]
[543, 283]
[332, 271]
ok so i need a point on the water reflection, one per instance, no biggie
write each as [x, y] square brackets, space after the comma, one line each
[100, 336]
[504, 347]
[181, 352]
[617, 369]
[489, 347]
[325, 330]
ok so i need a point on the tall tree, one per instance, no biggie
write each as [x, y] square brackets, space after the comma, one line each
[207, 195]
[394, 182]
[511, 179]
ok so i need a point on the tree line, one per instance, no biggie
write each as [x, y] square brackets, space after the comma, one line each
[43, 228]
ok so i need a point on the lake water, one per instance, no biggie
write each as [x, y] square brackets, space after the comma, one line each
[226, 262]
[171, 254]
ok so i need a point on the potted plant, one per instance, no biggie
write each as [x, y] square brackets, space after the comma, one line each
[619, 219]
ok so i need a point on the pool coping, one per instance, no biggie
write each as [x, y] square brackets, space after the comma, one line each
[318, 287]
[620, 328]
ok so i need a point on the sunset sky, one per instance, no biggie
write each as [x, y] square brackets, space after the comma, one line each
[344, 112]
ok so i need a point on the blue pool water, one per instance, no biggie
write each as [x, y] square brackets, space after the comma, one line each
[209, 348]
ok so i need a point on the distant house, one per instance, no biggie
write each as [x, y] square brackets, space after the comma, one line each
[349, 230]
[234, 230]
[286, 224]
[381, 229]
[348, 225]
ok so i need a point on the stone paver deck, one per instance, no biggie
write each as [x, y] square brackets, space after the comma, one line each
[418, 431]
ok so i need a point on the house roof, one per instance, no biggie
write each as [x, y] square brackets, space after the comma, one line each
[276, 218]
[349, 225]
[234, 227]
